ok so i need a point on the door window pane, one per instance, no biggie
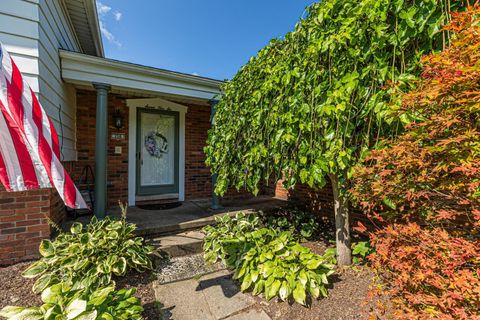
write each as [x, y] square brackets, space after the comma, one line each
[158, 149]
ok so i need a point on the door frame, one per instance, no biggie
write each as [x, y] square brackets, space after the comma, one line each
[154, 104]
[156, 190]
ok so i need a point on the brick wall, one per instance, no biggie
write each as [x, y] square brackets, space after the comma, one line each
[117, 167]
[198, 181]
[319, 202]
[24, 222]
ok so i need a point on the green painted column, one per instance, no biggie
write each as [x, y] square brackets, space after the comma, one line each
[215, 198]
[101, 145]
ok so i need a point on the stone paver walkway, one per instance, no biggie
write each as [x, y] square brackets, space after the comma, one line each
[210, 297]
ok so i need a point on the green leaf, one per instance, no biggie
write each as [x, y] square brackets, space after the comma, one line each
[247, 281]
[92, 315]
[258, 288]
[273, 290]
[314, 292]
[43, 282]
[299, 294]
[76, 228]
[389, 203]
[46, 248]
[100, 295]
[284, 291]
[303, 277]
[323, 291]
[313, 264]
[35, 269]
[75, 308]
[254, 274]
[20, 313]
[120, 267]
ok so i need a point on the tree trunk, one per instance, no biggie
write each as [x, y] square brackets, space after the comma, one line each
[342, 224]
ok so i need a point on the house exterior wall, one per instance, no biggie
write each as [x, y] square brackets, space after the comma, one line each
[57, 98]
[19, 33]
[197, 122]
[117, 167]
[33, 31]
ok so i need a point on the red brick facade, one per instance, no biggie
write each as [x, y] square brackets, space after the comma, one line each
[318, 201]
[197, 122]
[24, 222]
[117, 167]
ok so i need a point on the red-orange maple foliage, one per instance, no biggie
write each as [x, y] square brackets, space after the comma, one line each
[424, 188]
[432, 172]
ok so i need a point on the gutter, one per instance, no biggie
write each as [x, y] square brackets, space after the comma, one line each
[132, 67]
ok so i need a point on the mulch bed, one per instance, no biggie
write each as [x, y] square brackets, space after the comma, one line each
[346, 300]
[16, 290]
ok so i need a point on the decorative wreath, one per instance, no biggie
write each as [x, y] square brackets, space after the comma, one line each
[156, 144]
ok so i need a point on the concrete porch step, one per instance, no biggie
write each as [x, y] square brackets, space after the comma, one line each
[147, 230]
[180, 244]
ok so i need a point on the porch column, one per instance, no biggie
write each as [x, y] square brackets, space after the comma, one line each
[101, 133]
[215, 198]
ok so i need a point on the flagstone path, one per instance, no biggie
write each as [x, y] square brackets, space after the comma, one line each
[186, 291]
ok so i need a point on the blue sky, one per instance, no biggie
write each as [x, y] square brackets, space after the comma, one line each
[211, 38]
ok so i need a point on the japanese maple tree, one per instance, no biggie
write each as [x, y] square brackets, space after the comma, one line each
[423, 189]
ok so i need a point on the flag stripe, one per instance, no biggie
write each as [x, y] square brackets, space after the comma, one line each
[4, 174]
[28, 175]
[29, 145]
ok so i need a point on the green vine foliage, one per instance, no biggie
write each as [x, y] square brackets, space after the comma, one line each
[311, 104]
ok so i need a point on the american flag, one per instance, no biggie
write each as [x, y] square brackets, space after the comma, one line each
[29, 146]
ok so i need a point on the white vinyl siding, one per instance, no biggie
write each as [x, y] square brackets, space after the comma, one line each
[33, 31]
[19, 34]
[56, 96]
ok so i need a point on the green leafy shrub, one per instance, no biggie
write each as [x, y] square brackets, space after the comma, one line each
[61, 301]
[227, 228]
[361, 250]
[267, 261]
[300, 223]
[88, 256]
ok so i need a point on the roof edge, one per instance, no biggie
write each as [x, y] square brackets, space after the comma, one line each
[91, 8]
[81, 57]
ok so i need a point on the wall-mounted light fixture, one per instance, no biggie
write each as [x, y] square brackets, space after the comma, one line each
[118, 119]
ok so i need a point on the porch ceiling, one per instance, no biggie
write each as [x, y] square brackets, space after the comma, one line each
[83, 70]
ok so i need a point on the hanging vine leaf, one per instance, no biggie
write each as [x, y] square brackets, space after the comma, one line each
[310, 104]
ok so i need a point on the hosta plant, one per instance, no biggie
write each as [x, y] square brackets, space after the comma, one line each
[61, 302]
[90, 255]
[226, 228]
[267, 261]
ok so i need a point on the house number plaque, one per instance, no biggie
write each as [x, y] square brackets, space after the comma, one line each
[118, 136]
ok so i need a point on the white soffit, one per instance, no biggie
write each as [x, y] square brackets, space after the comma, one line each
[81, 69]
[84, 19]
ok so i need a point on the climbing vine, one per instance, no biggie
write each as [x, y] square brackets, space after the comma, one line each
[311, 104]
